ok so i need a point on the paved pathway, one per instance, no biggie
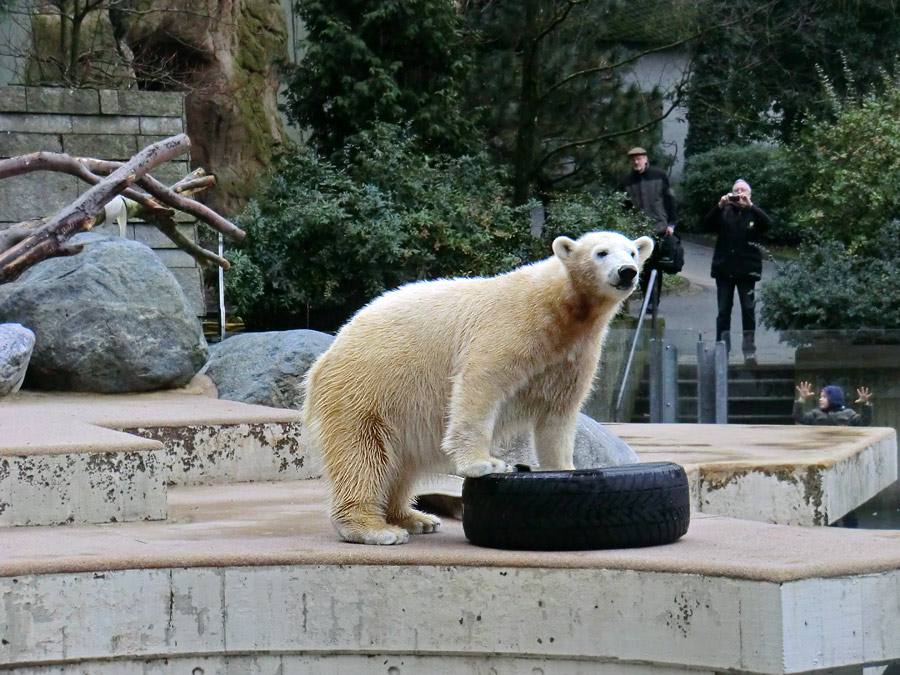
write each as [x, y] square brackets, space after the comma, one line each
[692, 316]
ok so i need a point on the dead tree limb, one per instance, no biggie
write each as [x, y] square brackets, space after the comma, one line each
[169, 196]
[51, 238]
[22, 245]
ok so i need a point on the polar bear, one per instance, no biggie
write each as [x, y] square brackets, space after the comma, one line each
[429, 377]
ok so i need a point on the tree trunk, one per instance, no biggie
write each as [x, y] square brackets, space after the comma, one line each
[526, 128]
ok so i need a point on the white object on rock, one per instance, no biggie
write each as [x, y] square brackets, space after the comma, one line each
[116, 209]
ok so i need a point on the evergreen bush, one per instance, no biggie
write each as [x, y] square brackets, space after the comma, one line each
[836, 286]
[326, 237]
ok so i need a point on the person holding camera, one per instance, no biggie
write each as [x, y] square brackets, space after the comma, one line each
[737, 261]
[647, 188]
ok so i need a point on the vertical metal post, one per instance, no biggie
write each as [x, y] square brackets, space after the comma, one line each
[670, 384]
[706, 382]
[655, 381]
[721, 358]
[221, 290]
[637, 334]
[537, 220]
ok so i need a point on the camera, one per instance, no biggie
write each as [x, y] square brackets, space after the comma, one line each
[734, 198]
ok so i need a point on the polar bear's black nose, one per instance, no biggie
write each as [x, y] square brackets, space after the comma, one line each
[627, 274]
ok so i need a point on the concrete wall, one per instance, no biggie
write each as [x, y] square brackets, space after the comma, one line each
[106, 124]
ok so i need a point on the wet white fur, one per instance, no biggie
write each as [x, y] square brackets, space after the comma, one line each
[429, 377]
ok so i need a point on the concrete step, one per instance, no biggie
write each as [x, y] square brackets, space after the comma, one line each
[56, 471]
[760, 394]
[88, 458]
[759, 418]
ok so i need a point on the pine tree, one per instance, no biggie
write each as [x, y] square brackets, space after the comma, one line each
[393, 61]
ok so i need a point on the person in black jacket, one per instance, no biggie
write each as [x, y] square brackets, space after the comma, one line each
[647, 188]
[737, 261]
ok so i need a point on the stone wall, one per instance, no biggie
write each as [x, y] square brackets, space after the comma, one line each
[106, 124]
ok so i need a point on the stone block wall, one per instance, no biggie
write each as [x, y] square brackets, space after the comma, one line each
[106, 124]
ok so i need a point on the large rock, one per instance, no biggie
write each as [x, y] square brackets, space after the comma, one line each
[16, 345]
[265, 368]
[595, 446]
[111, 319]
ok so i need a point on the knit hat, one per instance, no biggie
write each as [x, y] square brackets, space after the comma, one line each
[637, 150]
[835, 396]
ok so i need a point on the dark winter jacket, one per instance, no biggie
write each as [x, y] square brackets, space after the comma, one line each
[737, 255]
[845, 417]
[650, 192]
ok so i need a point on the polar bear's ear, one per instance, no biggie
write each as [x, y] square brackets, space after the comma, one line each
[644, 247]
[563, 247]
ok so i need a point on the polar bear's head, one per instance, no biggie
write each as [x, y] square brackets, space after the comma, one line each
[607, 261]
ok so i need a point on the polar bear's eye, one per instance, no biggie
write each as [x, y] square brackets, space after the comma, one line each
[601, 254]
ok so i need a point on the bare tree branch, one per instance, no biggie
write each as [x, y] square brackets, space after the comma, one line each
[50, 239]
[80, 167]
[638, 55]
[169, 227]
[173, 198]
[603, 137]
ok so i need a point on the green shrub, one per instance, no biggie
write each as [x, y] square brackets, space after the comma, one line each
[849, 167]
[709, 175]
[324, 240]
[833, 285]
[573, 214]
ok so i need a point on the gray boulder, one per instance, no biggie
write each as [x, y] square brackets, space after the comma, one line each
[16, 345]
[265, 368]
[111, 319]
[595, 446]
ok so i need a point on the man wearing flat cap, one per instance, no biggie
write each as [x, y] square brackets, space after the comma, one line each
[647, 188]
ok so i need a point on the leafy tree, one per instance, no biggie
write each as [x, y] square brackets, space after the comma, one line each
[848, 208]
[550, 84]
[848, 167]
[396, 61]
[756, 78]
[326, 236]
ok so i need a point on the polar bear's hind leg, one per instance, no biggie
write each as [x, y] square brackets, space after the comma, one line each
[358, 468]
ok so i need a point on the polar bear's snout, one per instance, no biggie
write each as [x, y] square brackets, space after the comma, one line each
[626, 275]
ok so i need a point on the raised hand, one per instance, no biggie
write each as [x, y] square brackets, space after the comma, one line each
[804, 390]
[864, 395]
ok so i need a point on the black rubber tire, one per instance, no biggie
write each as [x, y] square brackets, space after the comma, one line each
[614, 507]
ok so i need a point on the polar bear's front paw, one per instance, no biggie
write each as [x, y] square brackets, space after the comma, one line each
[482, 468]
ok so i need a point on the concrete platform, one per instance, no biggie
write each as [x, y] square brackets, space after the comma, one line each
[782, 474]
[791, 475]
[55, 470]
[250, 578]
